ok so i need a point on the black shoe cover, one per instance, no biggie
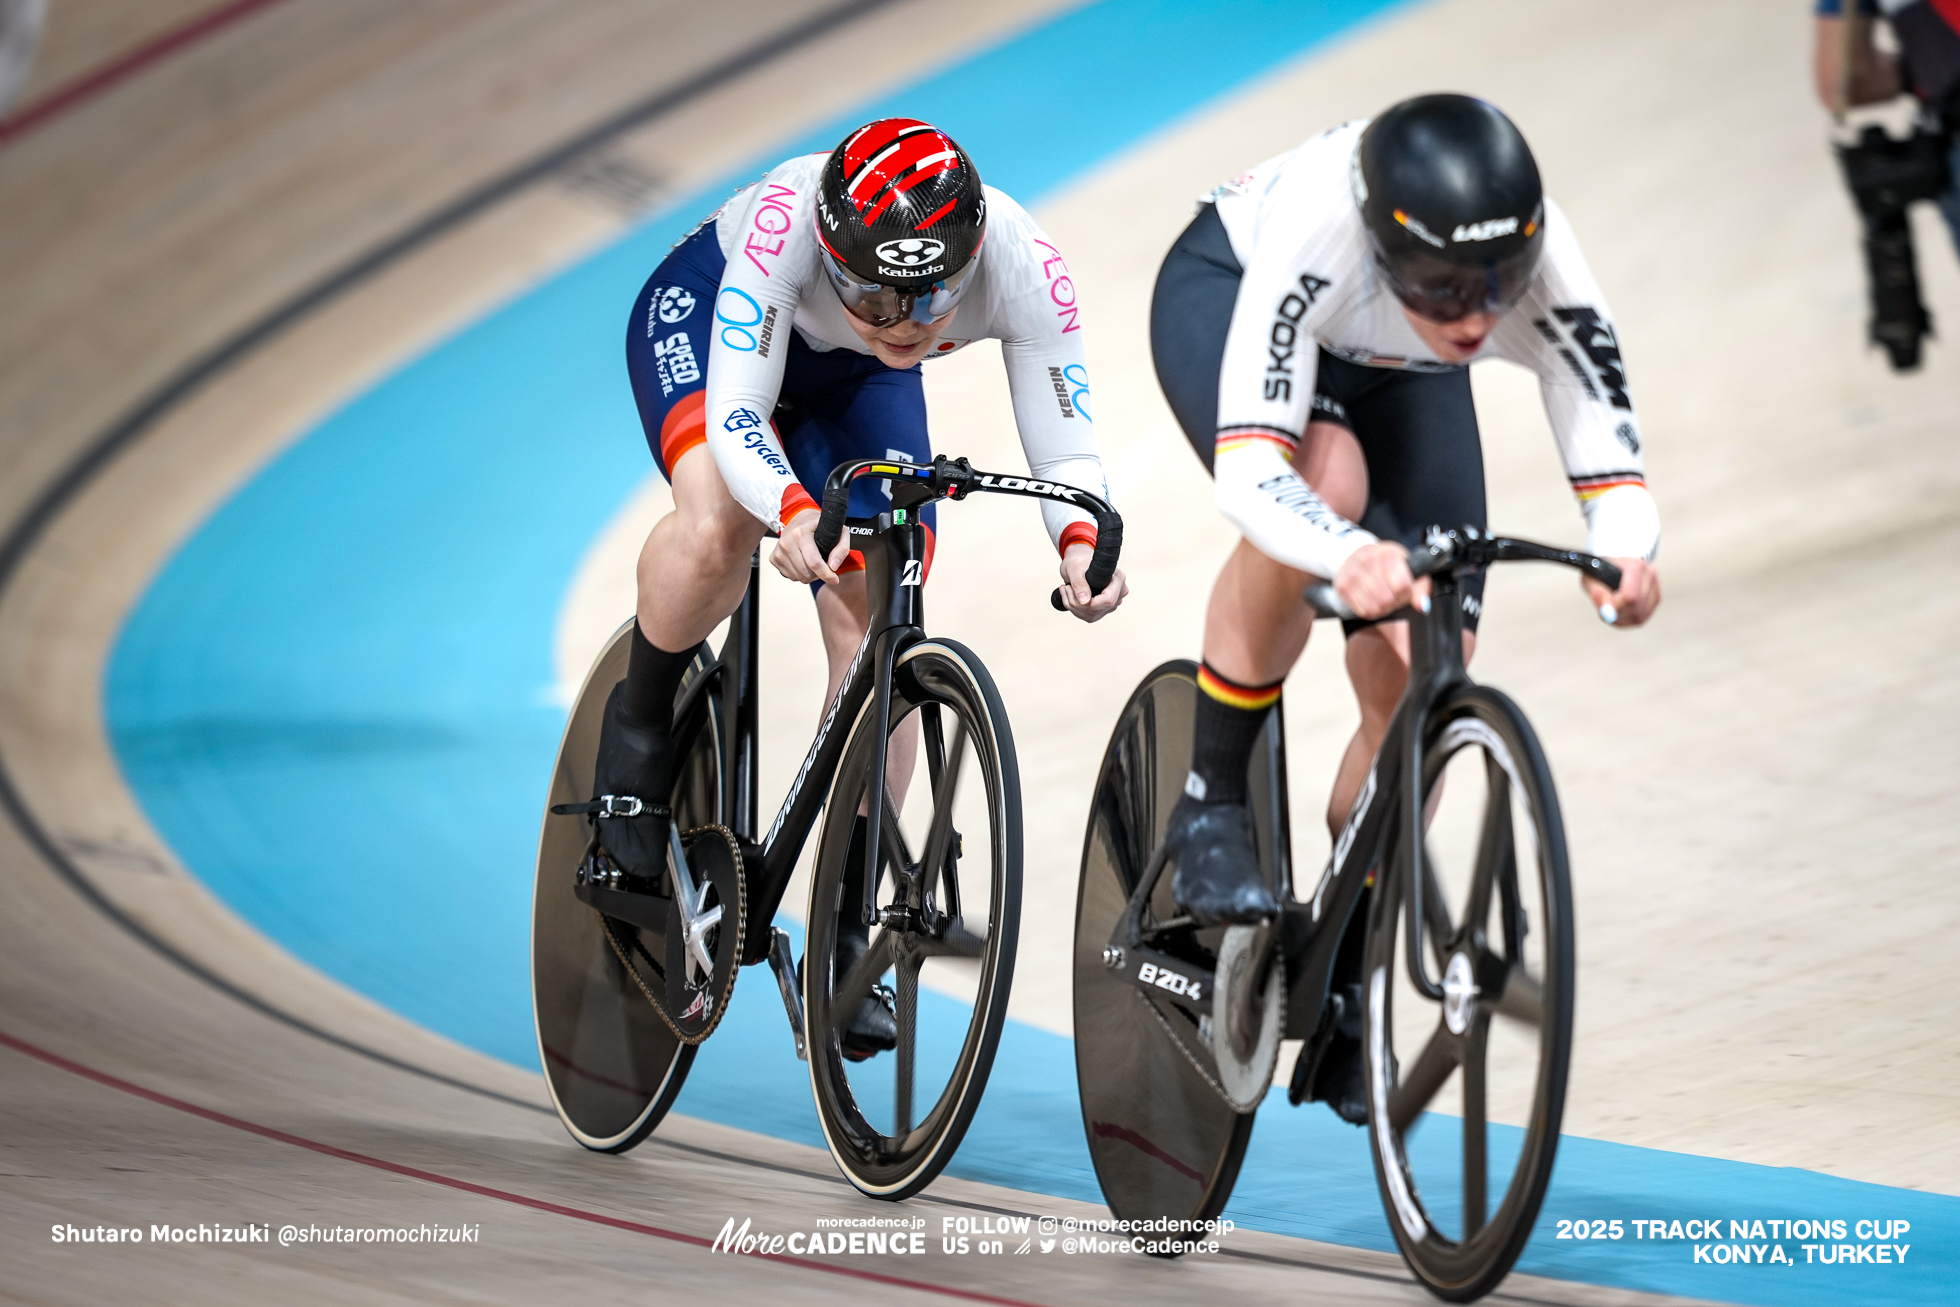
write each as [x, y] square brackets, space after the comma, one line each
[874, 1029]
[1331, 1069]
[633, 764]
[1341, 1082]
[1218, 875]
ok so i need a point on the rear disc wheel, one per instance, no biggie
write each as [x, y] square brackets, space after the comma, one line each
[1163, 1137]
[612, 1065]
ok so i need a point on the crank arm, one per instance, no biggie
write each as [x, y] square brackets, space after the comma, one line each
[687, 901]
[1162, 975]
[779, 962]
[646, 911]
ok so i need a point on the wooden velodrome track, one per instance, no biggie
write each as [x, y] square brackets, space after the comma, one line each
[270, 217]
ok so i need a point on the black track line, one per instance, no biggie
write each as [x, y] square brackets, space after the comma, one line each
[221, 358]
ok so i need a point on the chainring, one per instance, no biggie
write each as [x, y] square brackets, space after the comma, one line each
[1245, 1028]
[692, 1001]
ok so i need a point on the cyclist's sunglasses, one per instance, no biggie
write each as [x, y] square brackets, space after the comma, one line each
[887, 306]
[1446, 292]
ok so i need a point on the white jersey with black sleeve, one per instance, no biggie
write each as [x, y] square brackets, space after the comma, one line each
[1021, 295]
[1310, 282]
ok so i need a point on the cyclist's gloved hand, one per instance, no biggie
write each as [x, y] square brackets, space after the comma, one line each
[1075, 586]
[796, 555]
[1375, 581]
[1636, 599]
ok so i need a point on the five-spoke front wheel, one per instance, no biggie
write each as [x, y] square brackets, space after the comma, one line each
[940, 955]
[1468, 1001]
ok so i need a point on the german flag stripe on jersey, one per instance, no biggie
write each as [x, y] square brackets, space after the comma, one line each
[891, 156]
[1239, 437]
[1233, 695]
[1592, 487]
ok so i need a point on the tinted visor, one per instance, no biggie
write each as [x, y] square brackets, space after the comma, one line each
[885, 306]
[1442, 291]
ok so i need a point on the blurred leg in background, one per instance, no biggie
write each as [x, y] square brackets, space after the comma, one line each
[20, 32]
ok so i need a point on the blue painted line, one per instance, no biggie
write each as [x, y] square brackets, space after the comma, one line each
[334, 700]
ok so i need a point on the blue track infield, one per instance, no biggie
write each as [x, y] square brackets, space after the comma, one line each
[335, 700]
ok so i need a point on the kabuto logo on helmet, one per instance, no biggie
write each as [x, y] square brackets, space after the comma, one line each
[901, 205]
[911, 252]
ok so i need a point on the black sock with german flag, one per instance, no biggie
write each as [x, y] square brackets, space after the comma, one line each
[1230, 716]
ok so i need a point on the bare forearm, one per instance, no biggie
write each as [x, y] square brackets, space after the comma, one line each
[1871, 78]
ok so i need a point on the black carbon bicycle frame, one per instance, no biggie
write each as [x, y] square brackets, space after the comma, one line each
[893, 545]
[1375, 835]
[897, 611]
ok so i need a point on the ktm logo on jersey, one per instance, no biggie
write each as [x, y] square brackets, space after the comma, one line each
[1594, 335]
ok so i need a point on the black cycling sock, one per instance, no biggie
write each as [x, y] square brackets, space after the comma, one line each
[1230, 717]
[653, 676]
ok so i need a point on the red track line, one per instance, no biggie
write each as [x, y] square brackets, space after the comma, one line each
[502, 1195]
[92, 84]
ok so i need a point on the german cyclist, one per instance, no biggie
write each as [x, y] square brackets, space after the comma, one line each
[785, 336]
[1312, 329]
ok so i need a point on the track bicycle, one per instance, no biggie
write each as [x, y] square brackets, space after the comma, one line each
[1436, 951]
[630, 974]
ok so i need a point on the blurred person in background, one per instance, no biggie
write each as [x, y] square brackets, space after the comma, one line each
[1886, 174]
[20, 32]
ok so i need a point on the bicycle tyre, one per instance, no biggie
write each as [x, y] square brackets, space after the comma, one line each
[612, 1065]
[1481, 983]
[1162, 1137]
[943, 676]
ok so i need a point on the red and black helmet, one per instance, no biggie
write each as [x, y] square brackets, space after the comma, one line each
[901, 214]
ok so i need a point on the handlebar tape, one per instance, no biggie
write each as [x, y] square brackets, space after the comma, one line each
[1326, 601]
[1605, 573]
[1102, 563]
[830, 524]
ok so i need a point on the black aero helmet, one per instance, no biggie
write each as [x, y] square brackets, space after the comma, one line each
[1450, 195]
[901, 216]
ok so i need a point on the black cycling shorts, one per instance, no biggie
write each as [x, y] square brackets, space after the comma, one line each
[1417, 430]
